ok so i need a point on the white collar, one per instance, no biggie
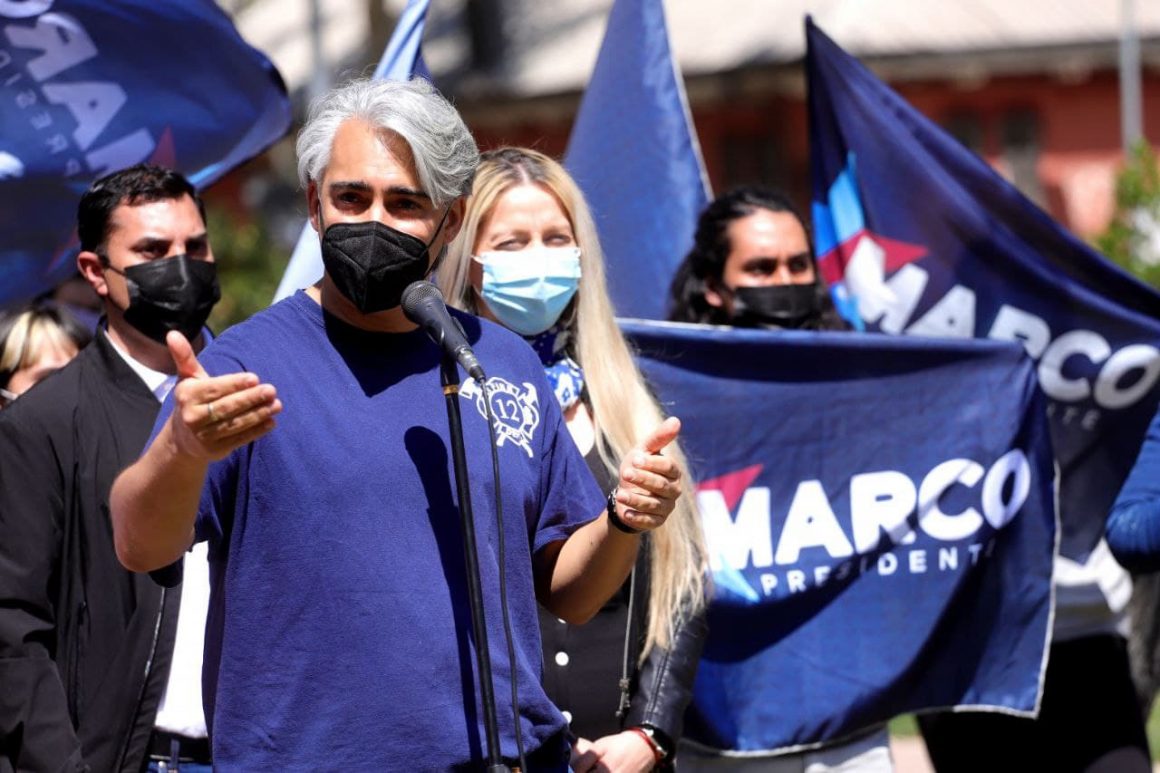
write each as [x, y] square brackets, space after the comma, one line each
[158, 383]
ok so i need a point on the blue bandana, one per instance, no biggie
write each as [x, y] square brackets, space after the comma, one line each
[563, 372]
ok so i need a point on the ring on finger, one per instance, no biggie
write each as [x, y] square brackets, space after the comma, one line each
[210, 412]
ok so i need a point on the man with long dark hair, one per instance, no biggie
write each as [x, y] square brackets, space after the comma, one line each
[752, 265]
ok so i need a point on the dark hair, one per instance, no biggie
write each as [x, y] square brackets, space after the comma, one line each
[17, 327]
[705, 263]
[140, 184]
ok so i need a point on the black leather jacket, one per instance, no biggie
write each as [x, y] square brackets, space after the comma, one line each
[85, 645]
[662, 687]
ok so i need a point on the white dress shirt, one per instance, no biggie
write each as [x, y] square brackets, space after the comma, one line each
[181, 708]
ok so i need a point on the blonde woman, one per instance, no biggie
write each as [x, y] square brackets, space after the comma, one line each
[36, 341]
[528, 257]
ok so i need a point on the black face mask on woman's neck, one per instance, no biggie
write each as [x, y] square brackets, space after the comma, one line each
[791, 306]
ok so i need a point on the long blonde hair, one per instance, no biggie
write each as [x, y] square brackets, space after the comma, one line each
[623, 410]
[27, 333]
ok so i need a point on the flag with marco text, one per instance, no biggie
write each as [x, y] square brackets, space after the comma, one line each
[402, 59]
[880, 520]
[88, 87]
[918, 235]
[634, 154]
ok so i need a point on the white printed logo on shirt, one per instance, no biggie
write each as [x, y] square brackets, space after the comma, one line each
[516, 410]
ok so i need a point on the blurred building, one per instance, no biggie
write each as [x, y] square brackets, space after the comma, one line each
[1031, 86]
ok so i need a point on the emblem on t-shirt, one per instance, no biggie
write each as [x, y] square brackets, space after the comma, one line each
[516, 410]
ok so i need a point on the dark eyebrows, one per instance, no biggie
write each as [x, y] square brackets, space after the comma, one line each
[402, 190]
[163, 244]
[151, 243]
[775, 260]
[350, 185]
[362, 187]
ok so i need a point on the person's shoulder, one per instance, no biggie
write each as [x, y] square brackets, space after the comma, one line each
[500, 350]
[269, 331]
[269, 321]
[485, 335]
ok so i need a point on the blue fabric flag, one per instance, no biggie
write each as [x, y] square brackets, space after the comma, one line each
[88, 87]
[634, 154]
[918, 235]
[880, 520]
[402, 59]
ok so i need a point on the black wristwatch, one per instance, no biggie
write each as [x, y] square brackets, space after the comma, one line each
[614, 518]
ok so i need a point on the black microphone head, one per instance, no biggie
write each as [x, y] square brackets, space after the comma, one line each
[423, 304]
[416, 296]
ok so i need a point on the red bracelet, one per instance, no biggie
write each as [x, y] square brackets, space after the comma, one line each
[658, 753]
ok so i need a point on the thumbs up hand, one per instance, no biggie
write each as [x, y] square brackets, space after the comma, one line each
[650, 483]
[214, 415]
[183, 357]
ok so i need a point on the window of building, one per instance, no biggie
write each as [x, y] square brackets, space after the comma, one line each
[748, 159]
[967, 128]
[1020, 133]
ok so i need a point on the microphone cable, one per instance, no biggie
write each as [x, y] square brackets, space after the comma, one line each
[507, 627]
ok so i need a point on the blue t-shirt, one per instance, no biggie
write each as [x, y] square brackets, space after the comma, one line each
[339, 631]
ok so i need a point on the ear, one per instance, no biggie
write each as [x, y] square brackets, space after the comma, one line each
[713, 296]
[93, 270]
[475, 274]
[454, 220]
[313, 205]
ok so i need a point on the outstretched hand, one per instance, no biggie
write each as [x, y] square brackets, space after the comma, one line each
[213, 415]
[650, 483]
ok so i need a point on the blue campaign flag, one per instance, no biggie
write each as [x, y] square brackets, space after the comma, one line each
[88, 87]
[918, 235]
[880, 519]
[634, 154]
[402, 59]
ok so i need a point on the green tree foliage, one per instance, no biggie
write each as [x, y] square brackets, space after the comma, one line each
[249, 268]
[1133, 237]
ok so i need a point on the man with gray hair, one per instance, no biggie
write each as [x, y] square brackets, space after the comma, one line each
[339, 632]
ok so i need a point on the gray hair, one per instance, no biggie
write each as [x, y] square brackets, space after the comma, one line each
[445, 153]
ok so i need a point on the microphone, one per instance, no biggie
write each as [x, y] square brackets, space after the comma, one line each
[423, 304]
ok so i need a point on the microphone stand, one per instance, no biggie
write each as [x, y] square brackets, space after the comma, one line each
[449, 377]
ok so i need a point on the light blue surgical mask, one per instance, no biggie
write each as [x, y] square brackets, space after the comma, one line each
[528, 290]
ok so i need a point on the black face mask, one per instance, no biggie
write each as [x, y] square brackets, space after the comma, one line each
[176, 293]
[371, 263]
[786, 306]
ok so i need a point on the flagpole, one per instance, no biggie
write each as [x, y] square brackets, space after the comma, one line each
[1131, 122]
[320, 80]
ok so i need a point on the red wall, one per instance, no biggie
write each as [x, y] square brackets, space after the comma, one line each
[766, 138]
